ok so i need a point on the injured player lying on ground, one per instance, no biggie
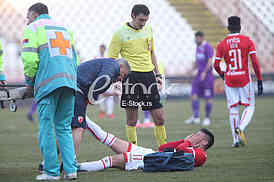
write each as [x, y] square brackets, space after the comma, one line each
[182, 155]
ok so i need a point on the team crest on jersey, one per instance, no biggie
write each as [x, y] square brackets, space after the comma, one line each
[80, 119]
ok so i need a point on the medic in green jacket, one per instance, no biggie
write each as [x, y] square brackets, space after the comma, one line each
[2, 76]
[49, 56]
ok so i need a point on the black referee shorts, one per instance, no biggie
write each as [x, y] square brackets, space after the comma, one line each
[139, 89]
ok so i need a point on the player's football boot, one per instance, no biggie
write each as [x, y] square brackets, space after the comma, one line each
[111, 116]
[189, 120]
[206, 122]
[46, 177]
[235, 145]
[193, 120]
[101, 115]
[241, 135]
[148, 124]
[139, 124]
[196, 120]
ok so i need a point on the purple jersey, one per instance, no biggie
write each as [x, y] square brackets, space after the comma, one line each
[203, 53]
[203, 88]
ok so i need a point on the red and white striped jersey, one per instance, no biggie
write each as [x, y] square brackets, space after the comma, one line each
[235, 49]
[186, 146]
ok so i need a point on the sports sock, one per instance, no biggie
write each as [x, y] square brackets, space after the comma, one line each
[97, 165]
[246, 117]
[234, 122]
[33, 108]
[101, 135]
[146, 116]
[102, 107]
[109, 105]
[195, 108]
[131, 134]
[208, 109]
[160, 134]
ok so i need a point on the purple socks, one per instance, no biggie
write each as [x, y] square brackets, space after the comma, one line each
[146, 114]
[208, 109]
[32, 108]
[195, 108]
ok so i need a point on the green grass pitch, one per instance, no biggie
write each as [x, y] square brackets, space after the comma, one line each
[19, 150]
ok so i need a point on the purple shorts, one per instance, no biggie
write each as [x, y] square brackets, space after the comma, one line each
[203, 88]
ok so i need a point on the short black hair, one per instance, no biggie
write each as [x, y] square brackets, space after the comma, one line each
[39, 8]
[103, 45]
[234, 24]
[199, 33]
[140, 9]
[210, 137]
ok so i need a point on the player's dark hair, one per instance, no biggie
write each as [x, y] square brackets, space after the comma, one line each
[140, 9]
[199, 33]
[103, 45]
[39, 8]
[210, 137]
[234, 24]
[124, 62]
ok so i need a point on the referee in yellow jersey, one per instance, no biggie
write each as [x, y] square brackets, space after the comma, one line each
[134, 42]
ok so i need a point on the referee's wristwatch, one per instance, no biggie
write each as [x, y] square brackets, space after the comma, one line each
[158, 75]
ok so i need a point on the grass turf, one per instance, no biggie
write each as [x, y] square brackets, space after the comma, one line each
[19, 150]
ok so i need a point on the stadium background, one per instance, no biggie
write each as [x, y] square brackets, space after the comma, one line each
[174, 23]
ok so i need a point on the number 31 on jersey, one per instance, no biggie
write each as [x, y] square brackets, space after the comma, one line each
[236, 59]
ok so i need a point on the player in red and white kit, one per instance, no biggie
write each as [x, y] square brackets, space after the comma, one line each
[236, 49]
[131, 157]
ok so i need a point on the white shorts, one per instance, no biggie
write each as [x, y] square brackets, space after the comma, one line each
[135, 157]
[240, 95]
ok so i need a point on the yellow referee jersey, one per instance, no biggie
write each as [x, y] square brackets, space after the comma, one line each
[135, 46]
[161, 67]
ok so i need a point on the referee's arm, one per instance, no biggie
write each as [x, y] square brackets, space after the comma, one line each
[155, 63]
[114, 47]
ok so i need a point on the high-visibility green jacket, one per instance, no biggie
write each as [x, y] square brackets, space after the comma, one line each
[2, 76]
[49, 57]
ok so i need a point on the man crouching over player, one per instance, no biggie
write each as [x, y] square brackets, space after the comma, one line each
[181, 155]
[94, 77]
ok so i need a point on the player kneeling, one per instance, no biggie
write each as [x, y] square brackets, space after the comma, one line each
[180, 155]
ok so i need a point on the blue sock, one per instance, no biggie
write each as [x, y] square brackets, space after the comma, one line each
[208, 109]
[195, 108]
[146, 114]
